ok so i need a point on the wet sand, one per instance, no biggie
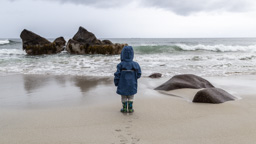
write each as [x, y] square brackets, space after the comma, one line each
[38, 109]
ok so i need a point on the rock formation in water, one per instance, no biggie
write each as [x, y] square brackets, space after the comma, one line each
[34, 44]
[85, 42]
[212, 95]
[155, 75]
[185, 81]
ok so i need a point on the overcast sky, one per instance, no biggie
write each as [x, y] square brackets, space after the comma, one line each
[129, 18]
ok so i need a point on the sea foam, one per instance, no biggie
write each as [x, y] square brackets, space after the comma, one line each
[218, 48]
[4, 42]
[12, 52]
[150, 49]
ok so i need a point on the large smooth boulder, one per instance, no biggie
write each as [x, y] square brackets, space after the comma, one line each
[34, 44]
[85, 42]
[213, 95]
[185, 81]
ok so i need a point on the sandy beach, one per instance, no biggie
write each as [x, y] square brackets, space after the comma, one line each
[59, 58]
[45, 109]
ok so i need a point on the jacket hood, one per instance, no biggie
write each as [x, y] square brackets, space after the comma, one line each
[127, 54]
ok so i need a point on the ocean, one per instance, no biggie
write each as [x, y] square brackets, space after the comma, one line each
[169, 56]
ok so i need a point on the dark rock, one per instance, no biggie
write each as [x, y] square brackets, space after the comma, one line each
[30, 38]
[34, 44]
[185, 81]
[60, 43]
[85, 42]
[107, 42]
[84, 36]
[212, 95]
[155, 75]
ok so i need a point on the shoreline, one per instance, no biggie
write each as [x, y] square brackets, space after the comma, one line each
[73, 109]
[37, 89]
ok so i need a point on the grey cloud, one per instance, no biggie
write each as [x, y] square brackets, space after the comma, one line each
[185, 7]
[98, 3]
[181, 7]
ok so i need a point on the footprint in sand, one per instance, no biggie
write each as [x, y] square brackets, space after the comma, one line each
[123, 139]
[124, 133]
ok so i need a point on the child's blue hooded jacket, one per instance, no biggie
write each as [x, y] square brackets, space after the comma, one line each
[127, 73]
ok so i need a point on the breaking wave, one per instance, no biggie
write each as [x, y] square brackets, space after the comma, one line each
[2, 42]
[218, 48]
[10, 42]
[150, 49]
[11, 52]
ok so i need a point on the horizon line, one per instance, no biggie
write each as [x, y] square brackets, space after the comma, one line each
[147, 38]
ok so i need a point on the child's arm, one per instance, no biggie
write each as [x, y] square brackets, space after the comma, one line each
[117, 74]
[138, 72]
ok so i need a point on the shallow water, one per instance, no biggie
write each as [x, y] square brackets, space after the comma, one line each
[44, 91]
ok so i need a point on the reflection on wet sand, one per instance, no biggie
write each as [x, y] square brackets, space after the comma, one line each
[34, 82]
[34, 91]
[60, 80]
[87, 83]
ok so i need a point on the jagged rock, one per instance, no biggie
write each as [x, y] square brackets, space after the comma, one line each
[85, 42]
[212, 95]
[60, 41]
[185, 81]
[30, 38]
[34, 44]
[155, 75]
[107, 42]
[84, 36]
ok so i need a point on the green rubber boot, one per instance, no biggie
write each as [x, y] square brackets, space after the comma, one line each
[130, 109]
[124, 109]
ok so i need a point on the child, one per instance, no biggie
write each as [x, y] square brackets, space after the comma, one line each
[126, 77]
